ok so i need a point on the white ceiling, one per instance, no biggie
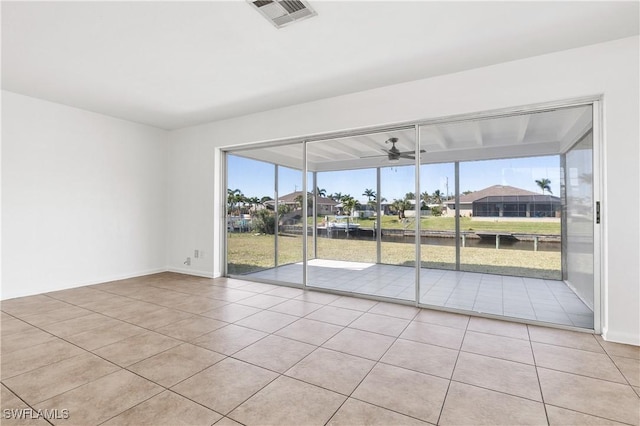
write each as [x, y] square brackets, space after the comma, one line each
[549, 132]
[175, 64]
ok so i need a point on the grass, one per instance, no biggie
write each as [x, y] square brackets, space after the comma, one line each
[466, 224]
[248, 252]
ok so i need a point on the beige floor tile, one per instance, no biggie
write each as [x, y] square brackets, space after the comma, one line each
[395, 310]
[309, 331]
[448, 319]
[225, 385]
[30, 305]
[166, 408]
[10, 325]
[191, 328]
[18, 413]
[176, 364]
[131, 309]
[267, 321]
[8, 399]
[296, 307]
[498, 327]
[360, 343]
[335, 315]
[433, 334]
[576, 361]
[563, 417]
[80, 295]
[105, 335]
[380, 324]
[469, 405]
[332, 370]
[26, 339]
[618, 349]
[231, 313]
[354, 303]
[226, 421]
[590, 396]
[97, 401]
[231, 294]
[570, 339]
[230, 339]
[56, 315]
[199, 304]
[104, 303]
[421, 357]
[408, 392]
[637, 389]
[80, 324]
[317, 297]
[500, 375]
[159, 318]
[262, 301]
[273, 405]
[356, 413]
[53, 379]
[28, 359]
[497, 346]
[258, 287]
[288, 292]
[629, 367]
[136, 348]
[275, 353]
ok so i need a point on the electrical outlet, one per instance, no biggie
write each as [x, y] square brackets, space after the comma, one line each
[196, 253]
[188, 261]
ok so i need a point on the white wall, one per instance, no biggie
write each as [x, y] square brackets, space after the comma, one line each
[610, 69]
[83, 197]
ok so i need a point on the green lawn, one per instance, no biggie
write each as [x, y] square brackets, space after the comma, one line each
[249, 252]
[466, 224]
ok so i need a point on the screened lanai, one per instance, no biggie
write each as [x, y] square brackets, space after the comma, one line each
[388, 213]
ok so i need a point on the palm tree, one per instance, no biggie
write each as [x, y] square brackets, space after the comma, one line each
[409, 196]
[321, 192]
[370, 194]
[254, 201]
[349, 204]
[544, 184]
[234, 197]
[425, 197]
[336, 197]
[437, 196]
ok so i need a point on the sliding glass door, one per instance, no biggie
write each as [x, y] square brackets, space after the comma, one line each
[491, 215]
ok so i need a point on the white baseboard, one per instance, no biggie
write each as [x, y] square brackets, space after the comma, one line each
[621, 337]
[205, 274]
[41, 289]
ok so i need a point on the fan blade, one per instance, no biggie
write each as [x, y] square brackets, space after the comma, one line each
[412, 152]
[410, 157]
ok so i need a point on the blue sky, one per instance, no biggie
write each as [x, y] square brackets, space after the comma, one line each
[256, 179]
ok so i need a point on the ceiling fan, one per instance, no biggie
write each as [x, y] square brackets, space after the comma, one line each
[394, 154]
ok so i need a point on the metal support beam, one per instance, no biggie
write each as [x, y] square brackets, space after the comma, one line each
[417, 215]
[457, 218]
[276, 229]
[378, 219]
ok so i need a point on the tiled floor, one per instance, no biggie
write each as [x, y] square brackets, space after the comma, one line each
[515, 297]
[172, 349]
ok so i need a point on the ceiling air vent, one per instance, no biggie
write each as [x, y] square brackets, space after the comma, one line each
[283, 12]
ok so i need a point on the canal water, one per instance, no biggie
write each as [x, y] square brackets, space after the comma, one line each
[505, 244]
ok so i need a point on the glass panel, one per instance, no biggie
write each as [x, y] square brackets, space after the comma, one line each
[510, 217]
[350, 214]
[579, 229]
[437, 183]
[250, 218]
[398, 245]
[291, 216]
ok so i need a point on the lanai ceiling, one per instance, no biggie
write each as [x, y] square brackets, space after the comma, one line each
[541, 133]
[176, 64]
